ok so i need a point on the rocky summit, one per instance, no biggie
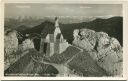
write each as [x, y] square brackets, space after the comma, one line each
[108, 51]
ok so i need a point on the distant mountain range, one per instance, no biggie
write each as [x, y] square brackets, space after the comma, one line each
[112, 26]
[33, 21]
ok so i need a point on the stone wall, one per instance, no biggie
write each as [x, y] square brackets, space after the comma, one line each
[53, 47]
[56, 47]
[50, 49]
[42, 45]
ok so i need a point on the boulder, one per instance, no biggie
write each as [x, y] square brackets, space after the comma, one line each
[85, 44]
[75, 34]
[84, 38]
[90, 35]
[26, 44]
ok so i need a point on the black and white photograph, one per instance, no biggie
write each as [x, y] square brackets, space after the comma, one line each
[63, 40]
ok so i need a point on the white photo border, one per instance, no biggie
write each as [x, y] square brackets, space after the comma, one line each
[125, 37]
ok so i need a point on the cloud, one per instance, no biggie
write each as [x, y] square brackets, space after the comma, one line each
[23, 6]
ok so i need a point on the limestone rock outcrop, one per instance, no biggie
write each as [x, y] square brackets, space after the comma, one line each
[84, 38]
[105, 50]
[10, 42]
[26, 44]
[110, 55]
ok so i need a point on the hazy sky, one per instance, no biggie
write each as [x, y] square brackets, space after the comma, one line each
[42, 10]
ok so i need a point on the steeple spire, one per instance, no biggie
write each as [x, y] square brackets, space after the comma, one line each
[56, 22]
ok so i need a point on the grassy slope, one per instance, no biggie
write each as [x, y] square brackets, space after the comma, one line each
[83, 63]
[65, 56]
[26, 65]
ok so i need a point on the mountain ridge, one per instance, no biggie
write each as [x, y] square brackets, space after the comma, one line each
[112, 26]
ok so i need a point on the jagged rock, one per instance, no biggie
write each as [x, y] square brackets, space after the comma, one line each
[85, 40]
[27, 44]
[10, 42]
[89, 34]
[110, 55]
[75, 34]
[108, 51]
[85, 44]
[103, 43]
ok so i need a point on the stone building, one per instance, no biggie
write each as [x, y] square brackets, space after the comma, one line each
[53, 43]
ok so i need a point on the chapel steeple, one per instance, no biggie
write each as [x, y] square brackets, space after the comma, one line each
[56, 22]
[57, 28]
[54, 43]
